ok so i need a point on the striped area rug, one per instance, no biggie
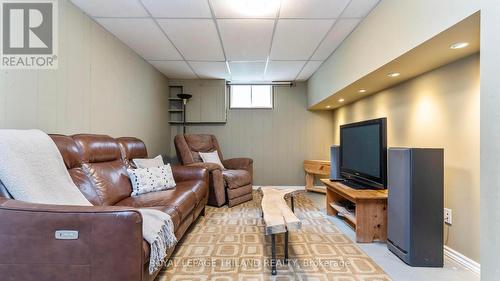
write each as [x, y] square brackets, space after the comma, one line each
[229, 244]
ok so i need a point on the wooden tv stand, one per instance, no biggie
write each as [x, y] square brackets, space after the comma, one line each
[370, 218]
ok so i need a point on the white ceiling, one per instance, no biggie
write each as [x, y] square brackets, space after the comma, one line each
[238, 40]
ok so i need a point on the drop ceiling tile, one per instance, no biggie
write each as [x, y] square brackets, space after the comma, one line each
[174, 69]
[210, 70]
[247, 71]
[297, 39]
[196, 39]
[245, 8]
[309, 69]
[112, 8]
[312, 8]
[246, 39]
[359, 8]
[178, 8]
[342, 29]
[143, 36]
[283, 70]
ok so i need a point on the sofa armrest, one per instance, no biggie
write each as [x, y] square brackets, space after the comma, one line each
[186, 173]
[209, 166]
[108, 247]
[238, 163]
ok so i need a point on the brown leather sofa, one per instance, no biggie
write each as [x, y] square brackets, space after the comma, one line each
[110, 246]
[237, 176]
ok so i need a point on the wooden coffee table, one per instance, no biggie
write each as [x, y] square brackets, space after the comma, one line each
[278, 217]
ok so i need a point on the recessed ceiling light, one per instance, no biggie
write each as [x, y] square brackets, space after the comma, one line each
[362, 91]
[328, 106]
[341, 100]
[394, 74]
[254, 7]
[459, 45]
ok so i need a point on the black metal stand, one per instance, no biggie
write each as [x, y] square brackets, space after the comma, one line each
[273, 254]
[184, 116]
[273, 244]
[185, 98]
[286, 247]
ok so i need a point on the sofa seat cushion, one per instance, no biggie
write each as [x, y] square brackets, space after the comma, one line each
[236, 178]
[199, 188]
[181, 198]
[172, 211]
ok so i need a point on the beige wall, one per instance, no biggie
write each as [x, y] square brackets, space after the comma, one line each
[393, 28]
[490, 140]
[437, 109]
[278, 140]
[101, 86]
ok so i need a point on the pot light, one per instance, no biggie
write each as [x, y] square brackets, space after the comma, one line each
[341, 100]
[459, 45]
[362, 91]
[328, 106]
[394, 74]
[255, 8]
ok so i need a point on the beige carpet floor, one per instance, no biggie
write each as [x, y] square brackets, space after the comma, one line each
[229, 244]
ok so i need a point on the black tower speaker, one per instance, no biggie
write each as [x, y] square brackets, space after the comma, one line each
[415, 205]
[335, 163]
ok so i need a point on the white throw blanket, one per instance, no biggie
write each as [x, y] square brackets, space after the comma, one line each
[32, 169]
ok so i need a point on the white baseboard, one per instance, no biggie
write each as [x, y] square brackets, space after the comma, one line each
[298, 187]
[462, 260]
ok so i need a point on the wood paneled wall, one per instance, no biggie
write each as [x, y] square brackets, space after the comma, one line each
[101, 86]
[278, 140]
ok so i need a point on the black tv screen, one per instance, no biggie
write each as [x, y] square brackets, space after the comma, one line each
[363, 153]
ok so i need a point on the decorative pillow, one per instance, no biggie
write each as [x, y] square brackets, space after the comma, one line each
[211, 157]
[152, 179]
[148, 163]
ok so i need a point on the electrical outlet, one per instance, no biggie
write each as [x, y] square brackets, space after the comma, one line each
[447, 216]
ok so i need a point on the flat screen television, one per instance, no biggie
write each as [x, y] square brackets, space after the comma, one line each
[363, 154]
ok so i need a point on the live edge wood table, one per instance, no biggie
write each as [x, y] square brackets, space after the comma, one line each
[278, 217]
[370, 216]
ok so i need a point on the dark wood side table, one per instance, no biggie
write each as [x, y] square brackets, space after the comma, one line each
[370, 216]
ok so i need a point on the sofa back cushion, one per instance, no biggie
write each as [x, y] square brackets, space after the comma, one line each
[73, 160]
[188, 147]
[103, 164]
[132, 148]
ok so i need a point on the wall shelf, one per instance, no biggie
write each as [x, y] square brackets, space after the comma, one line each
[206, 107]
[175, 109]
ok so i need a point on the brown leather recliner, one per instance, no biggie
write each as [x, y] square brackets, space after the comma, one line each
[110, 246]
[236, 177]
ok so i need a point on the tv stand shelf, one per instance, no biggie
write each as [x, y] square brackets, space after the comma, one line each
[370, 218]
[343, 212]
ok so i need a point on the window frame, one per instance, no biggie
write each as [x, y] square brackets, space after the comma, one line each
[251, 93]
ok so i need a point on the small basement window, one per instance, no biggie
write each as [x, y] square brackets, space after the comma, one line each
[250, 96]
